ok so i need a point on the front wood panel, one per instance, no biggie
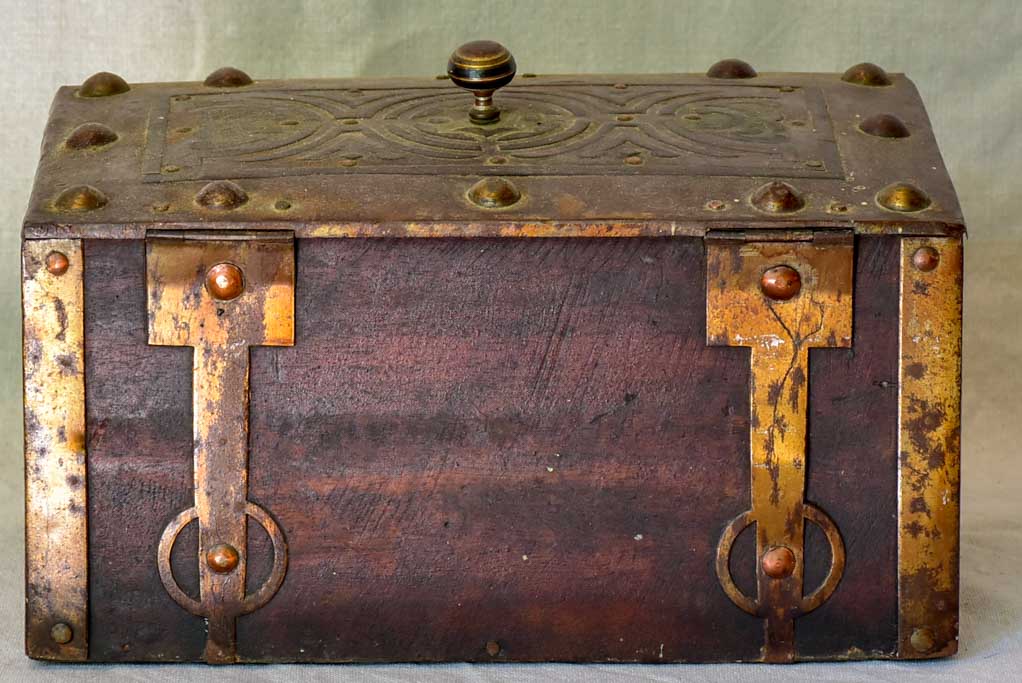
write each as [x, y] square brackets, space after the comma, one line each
[520, 441]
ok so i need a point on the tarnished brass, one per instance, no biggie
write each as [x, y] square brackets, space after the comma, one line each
[780, 334]
[56, 557]
[227, 77]
[731, 68]
[777, 197]
[482, 67]
[903, 197]
[221, 195]
[80, 198]
[90, 135]
[183, 312]
[103, 84]
[884, 126]
[494, 193]
[866, 74]
[929, 440]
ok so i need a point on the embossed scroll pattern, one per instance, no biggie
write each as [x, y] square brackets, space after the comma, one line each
[564, 130]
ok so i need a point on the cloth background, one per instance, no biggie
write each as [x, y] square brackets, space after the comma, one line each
[965, 57]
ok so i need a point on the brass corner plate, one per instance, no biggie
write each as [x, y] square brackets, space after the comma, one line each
[56, 557]
[221, 294]
[780, 323]
[929, 444]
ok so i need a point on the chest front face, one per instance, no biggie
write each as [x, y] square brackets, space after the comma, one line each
[643, 369]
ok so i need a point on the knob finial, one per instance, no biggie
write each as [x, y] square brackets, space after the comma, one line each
[482, 67]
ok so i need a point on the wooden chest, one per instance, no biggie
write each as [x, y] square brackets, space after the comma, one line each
[597, 368]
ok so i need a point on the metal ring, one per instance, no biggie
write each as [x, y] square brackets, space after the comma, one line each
[167, 539]
[269, 588]
[727, 539]
[837, 558]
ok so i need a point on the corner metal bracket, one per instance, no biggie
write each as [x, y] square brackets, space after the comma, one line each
[189, 305]
[743, 309]
[56, 520]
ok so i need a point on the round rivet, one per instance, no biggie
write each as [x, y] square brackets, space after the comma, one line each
[780, 283]
[225, 281]
[777, 197]
[282, 205]
[633, 160]
[925, 259]
[731, 68]
[715, 205]
[902, 197]
[884, 126]
[80, 198]
[866, 74]
[778, 562]
[222, 558]
[922, 639]
[493, 648]
[221, 194]
[494, 193]
[61, 633]
[103, 84]
[90, 135]
[56, 263]
[227, 77]
[160, 207]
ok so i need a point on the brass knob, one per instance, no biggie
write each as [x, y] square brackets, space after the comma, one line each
[482, 67]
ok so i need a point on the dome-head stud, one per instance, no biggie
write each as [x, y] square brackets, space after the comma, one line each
[884, 126]
[221, 195]
[777, 197]
[494, 193]
[90, 135]
[731, 68]
[80, 198]
[866, 74]
[227, 77]
[103, 84]
[902, 197]
[482, 67]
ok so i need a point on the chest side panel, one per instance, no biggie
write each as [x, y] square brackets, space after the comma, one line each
[521, 442]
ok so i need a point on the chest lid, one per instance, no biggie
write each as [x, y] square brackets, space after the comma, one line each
[505, 155]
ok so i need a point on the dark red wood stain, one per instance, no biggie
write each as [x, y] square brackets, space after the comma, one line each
[520, 441]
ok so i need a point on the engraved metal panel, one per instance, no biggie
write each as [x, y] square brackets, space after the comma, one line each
[616, 129]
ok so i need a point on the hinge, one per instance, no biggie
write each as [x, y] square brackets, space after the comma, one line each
[221, 293]
[780, 298]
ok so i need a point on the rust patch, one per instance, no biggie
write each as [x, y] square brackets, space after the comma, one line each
[929, 445]
[56, 557]
[780, 334]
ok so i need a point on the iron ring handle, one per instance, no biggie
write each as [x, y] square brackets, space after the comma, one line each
[251, 602]
[809, 602]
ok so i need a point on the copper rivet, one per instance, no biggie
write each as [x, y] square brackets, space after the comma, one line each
[161, 207]
[731, 68]
[221, 194]
[222, 558]
[103, 84]
[619, 86]
[715, 205]
[902, 197]
[780, 283]
[925, 259]
[80, 198]
[225, 282]
[779, 562]
[227, 77]
[633, 160]
[493, 648]
[282, 205]
[922, 639]
[90, 135]
[494, 193]
[777, 197]
[866, 74]
[61, 633]
[56, 263]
